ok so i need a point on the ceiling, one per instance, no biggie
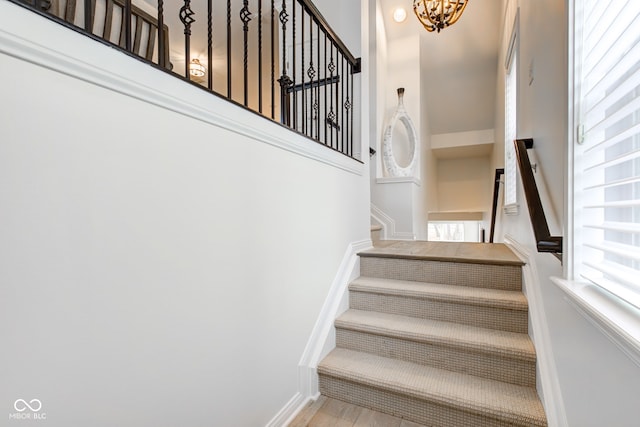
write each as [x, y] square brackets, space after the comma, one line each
[458, 65]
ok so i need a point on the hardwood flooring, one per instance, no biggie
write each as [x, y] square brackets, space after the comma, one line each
[326, 412]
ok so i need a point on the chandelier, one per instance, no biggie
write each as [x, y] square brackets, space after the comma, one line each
[438, 14]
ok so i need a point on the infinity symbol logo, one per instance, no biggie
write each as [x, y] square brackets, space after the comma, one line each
[21, 405]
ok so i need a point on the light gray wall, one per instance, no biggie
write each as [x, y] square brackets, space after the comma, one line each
[155, 269]
[598, 382]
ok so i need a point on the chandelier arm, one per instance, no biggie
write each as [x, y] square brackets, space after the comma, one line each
[423, 15]
[435, 15]
[460, 4]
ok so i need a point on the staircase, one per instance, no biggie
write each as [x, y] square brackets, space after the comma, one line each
[436, 334]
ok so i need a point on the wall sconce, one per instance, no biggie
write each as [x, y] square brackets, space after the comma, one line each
[399, 15]
[196, 69]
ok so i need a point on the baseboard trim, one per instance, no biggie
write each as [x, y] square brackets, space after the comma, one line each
[289, 411]
[551, 392]
[389, 226]
[322, 339]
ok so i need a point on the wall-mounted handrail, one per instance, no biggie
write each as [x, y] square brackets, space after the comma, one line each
[494, 206]
[545, 242]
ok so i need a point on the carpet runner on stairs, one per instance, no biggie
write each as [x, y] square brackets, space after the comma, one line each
[440, 340]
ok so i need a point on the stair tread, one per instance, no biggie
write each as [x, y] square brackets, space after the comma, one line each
[513, 300]
[496, 399]
[507, 344]
[465, 252]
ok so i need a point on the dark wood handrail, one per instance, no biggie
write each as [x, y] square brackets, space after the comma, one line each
[545, 242]
[494, 207]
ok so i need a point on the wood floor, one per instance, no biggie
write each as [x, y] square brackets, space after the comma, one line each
[326, 412]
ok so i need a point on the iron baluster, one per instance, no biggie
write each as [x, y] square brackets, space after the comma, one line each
[127, 25]
[331, 117]
[351, 126]
[161, 44]
[303, 94]
[210, 44]
[88, 14]
[326, 135]
[260, 56]
[186, 17]
[318, 87]
[245, 17]
[273, 60]
[311, 72]
[293, 68]
[342, 101]
[229, 49]
[284, 80]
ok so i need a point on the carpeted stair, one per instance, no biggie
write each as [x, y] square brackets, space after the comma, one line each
[437, 340]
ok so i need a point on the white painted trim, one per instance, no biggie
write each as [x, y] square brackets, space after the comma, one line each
[385, 220]
[618, 321]
[322, 339]
[551, 392]
[67, 52]
[289, 411]
[399, 180]
[389, 226]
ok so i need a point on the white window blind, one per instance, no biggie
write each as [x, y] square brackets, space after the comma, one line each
[607, 153]
[510, 108]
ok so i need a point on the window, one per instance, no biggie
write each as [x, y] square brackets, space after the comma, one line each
[607, 151]
[453, 231]
[510, 120]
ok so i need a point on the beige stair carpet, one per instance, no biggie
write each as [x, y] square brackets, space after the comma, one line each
[437, 334]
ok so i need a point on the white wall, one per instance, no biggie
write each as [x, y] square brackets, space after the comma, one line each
[598, 382]
[462, 184]
[156, 268]
[405, 201]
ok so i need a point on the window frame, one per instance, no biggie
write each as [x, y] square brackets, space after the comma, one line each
[512, 64]
[616, 319]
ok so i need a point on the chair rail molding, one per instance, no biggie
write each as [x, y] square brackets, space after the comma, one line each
[551, 392]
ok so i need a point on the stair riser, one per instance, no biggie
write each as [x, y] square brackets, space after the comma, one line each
[491, 366]
[506, 277]
[473, 315]
[408, 407]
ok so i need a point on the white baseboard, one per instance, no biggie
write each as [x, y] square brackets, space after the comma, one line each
[322, 339]
[389, 226]
[551, 393]
[289, 411]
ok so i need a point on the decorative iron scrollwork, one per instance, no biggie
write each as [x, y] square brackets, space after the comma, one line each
[332, 66]
[311, 72]
[245, 15]
[186, 17]
[284, 16]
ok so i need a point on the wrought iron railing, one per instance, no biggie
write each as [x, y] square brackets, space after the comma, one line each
[280, 59]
